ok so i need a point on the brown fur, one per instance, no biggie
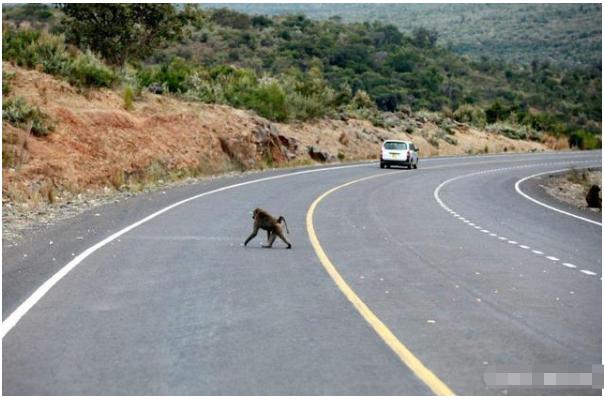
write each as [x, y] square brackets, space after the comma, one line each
[273, 226]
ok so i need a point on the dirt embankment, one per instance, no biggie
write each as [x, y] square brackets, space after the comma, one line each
[98, 147]
[572, 187]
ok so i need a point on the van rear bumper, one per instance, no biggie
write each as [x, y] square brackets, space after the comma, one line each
[396, 162]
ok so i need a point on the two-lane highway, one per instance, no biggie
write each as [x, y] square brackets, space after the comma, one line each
[176, 305]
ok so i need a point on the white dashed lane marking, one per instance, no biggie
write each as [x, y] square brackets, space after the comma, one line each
[491, 234]
[589, 272]
[571, 266]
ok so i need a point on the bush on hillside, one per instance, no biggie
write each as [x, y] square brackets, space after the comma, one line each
[470, 114]
[17, 112]
[88, 70]
[269, 101]
[32, 49]
[514, 131]
[584, 140]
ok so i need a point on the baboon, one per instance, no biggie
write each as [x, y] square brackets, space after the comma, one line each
[592, 197]
[273, 226]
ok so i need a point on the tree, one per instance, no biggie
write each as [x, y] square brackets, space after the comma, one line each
[404, 60]
[230, 18]
[424, 38]
[260, 21]
[123, 32]
[496, 112]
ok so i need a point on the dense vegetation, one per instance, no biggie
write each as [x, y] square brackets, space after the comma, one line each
[563, 34]
[293, 68]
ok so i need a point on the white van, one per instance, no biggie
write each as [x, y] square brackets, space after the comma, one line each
[398, 153]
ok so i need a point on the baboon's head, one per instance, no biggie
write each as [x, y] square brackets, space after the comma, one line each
[254, 213]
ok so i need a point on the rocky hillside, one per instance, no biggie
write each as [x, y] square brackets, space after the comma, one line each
[97, 146]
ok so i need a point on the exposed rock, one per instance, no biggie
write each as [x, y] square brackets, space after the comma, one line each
[156, 88]
[270, 144]
[344, 139]
[317, 154]
[291, 144]
[239, 150]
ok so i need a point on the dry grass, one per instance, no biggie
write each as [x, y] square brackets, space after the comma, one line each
[573, 186]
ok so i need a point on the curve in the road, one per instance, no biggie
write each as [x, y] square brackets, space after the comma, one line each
[501, 238]
[23, 308]
[20, 350]
[406, 356]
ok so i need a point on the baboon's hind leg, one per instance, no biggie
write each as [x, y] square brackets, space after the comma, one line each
[270, 240]
[282, 236]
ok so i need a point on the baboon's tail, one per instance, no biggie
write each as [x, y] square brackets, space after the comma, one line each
[282, 218]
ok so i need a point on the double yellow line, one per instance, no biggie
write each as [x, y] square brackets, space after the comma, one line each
[422, 372]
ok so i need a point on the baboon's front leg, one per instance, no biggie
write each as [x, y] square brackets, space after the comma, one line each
[251, 236]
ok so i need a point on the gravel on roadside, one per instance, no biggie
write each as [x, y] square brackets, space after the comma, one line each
[572, 186]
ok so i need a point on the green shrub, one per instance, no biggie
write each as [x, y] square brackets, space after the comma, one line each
[304, 106]
[269, 101]
[88, 70]
[584, 140]
[51, 53]
[174, 75]
[17, 46]
[361, 100]
[497, 112]
[514, 131]
[128, 98]
[472, 115]
[17, 112]
[31, 49]
[6, 78]
[203, 89]
[309, 95]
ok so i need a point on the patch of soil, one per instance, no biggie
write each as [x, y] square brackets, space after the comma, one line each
[572, 187]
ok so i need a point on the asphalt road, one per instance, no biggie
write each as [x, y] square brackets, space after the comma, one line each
[466, 273]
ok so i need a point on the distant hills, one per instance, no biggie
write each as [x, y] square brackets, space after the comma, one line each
[566, 34]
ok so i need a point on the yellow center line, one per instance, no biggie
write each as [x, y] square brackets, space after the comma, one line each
[405, 355]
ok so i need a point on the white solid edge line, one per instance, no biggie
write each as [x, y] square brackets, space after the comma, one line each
[517, 188]
[22, 309]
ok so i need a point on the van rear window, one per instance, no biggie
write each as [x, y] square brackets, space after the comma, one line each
[395, 146]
